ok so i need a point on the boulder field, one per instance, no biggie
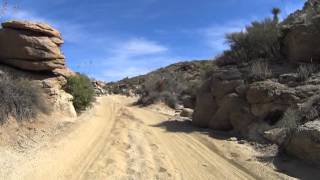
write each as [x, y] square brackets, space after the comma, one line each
[33, 51]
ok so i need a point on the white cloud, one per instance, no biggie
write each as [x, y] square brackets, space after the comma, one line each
[214, 35]
[71, 32]
[138, 47]
[116, 73]
[133, 57]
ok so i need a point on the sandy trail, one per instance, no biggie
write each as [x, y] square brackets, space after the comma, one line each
[117, 141]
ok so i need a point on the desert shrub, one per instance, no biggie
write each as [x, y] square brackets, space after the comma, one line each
[162, 87]
[225, 59]
[206, 70]
[305, 71]
[82, 90]
[21, 99]
[291, 119]
[259, 40]
[310, 110]
[259, 70]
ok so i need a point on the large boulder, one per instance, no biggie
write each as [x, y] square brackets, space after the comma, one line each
[40, 28]
[268, 97]
[305, 142]
[301, 34]
[32, 51]
[186, 112]
[31, 46]
[205, 108]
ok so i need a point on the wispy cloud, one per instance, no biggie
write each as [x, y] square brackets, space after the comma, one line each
[138, 47]
[214, 35]
[132, 57]
[71, 32]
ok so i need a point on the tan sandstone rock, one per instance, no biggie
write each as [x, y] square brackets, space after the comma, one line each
[40, 28]
[31, 46]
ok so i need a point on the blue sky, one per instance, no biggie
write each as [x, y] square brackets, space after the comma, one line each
[113, 39]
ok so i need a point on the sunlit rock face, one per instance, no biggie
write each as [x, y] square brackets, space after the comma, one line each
[33, 51]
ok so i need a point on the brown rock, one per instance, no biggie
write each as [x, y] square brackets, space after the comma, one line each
[18, 45]
[276, 135]
[205, 108]
[34, 65]
[65, 72]
[39, 28]
[234, 113]
[186, 112]
[305, 142]
[301, 44]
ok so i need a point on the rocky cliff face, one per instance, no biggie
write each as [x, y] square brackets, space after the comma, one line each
[231, 100]
[283, 107]
[32, 51]
[301, 33]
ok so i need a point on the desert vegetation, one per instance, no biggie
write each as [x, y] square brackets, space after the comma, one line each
[82, 90]
[165, 87]
[20, 99]
[259, 40]
[259, 70]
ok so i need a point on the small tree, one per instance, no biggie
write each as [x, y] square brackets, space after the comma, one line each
[276, 11]
[82, 90]
[260, 40]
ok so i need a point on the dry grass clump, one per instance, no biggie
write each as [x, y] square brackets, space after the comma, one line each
[291, 119]
[309, 111]
[305, 71]
[21, 99]
[259, 70]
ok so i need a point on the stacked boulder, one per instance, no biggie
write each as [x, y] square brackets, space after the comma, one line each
[32, 51]
[32, 46]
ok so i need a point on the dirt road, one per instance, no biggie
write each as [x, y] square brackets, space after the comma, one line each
[117, 141]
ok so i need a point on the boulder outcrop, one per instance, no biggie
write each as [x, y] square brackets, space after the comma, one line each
[301, 34]
[305, 142]
[229, 100]
[32, 51]
[31, 46]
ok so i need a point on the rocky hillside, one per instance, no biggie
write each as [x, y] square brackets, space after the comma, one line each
[268, 99]
[190, 70]
[180, 79]
[32, 51]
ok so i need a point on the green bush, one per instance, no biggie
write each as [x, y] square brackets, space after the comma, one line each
[260, 40]
[21, 99]
[82, 90]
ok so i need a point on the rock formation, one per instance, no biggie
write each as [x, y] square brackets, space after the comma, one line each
[31, 46]
[32, 51]
[301, 34]
[283, 108]
[230, 100]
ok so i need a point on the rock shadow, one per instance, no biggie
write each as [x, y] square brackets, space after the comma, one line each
[292, 166]
[185, 126]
